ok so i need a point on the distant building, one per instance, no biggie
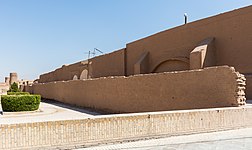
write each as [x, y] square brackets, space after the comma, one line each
[13, 78]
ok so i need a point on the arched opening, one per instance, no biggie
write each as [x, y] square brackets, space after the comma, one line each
[84, 74]
[75, 77]
[171, 65]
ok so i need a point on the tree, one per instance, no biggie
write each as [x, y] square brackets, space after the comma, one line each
[14, 88]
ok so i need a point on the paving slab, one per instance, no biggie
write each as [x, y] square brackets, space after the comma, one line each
[54, 111]
[48, 111]
[240, 139]
[51, 111]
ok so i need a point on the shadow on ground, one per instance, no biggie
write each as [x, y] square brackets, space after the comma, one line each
[85, 110]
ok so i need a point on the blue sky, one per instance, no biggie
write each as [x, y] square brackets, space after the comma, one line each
[37, 36]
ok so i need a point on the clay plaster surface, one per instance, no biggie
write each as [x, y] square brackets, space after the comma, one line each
[151, 92]
[170, 50]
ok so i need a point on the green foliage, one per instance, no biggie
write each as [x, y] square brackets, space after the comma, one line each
[13, 103]
[18, 93]
[14, 88]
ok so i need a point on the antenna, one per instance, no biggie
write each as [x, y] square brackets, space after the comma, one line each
[185, 15]
[89, 53]
[96, 49]
[94, 52]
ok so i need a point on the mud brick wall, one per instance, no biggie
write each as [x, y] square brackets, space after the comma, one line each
[203, 88]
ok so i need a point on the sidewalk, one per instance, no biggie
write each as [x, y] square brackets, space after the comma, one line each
[240, 139]
[48, 111]
[83, 127]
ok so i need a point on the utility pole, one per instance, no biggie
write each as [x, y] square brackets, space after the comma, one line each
[88, 54]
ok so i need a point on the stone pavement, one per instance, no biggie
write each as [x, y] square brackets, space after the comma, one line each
[55, 111]
[52, 111]
[240, 139]
[48, 111]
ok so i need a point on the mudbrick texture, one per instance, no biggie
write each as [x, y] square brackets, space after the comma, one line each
[203, 88]
[240, 93]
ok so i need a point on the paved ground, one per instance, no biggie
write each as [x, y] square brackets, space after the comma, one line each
[240, 139]
[51, 111]
[48, 111]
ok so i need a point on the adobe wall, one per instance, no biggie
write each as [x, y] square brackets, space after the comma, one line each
[13, 78]
[169, 49]
[111, 64]
[4, 88]
[207, 88]
[66, 72]
[249, 87]
[28, 88]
